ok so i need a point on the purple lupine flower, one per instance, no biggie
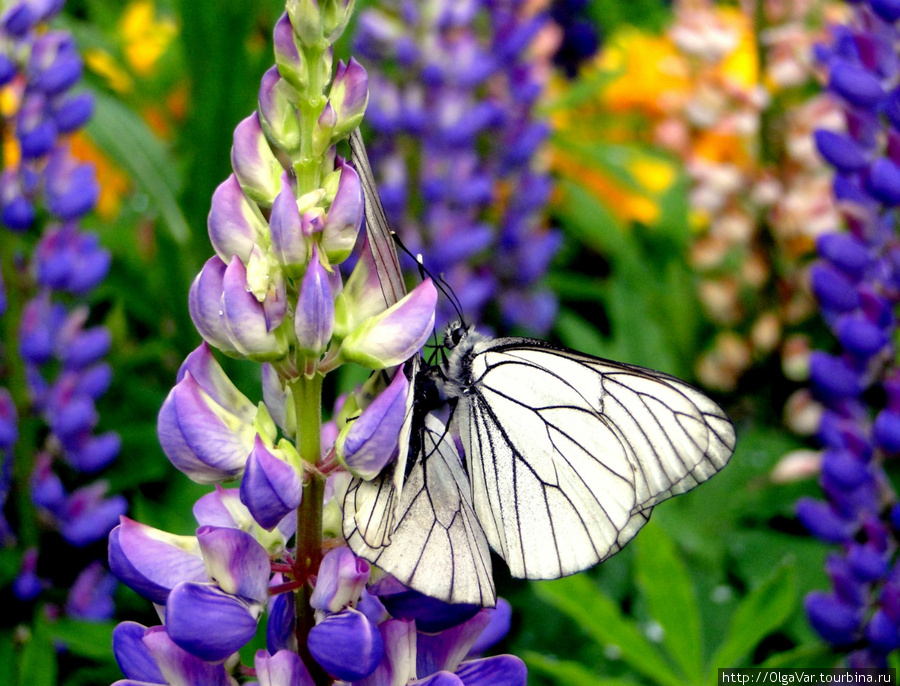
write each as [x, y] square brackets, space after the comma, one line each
[465, 121]
[62, 357]
[271, 294]
[856, 283]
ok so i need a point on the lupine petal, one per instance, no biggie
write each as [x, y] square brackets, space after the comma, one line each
[235, 224]
[207, 622]
[397, 333]
[289, 243]
[180, 668]
[284, 668]
[314, 314]
[347, 645]
[501, 670]
[257, 169]
[270, 488]
[151, 562]
[341, 579]
[344, 218]
[235, 561]
[132, 656]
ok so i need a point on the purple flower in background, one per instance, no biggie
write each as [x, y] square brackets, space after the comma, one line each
[57, 266]
[857, 283]
[579, 41]
[463, 120]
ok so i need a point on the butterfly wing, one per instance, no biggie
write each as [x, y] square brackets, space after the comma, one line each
[435, 545]
[568, 453]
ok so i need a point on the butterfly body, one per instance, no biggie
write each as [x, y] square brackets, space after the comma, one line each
[566, 454]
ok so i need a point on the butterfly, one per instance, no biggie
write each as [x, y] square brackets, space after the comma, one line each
[564, 457]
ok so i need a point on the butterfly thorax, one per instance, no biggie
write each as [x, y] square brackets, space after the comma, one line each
[459, 342]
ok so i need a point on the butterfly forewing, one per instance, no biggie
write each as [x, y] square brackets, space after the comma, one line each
[435, 544]
[567, 453]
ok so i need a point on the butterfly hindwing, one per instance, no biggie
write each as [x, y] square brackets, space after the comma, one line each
[435, 544]
[567, 453]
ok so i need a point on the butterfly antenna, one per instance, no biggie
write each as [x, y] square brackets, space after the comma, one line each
[439, 281]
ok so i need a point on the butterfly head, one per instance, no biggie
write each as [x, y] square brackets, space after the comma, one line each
[455, 333]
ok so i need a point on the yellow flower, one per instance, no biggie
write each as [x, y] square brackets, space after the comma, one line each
[105, 65]
[145, 39]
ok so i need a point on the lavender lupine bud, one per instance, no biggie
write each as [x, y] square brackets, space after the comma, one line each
[290, 61]
[859, 336]
[16, 211]
[369, 442]
[823, 521]
[277, 113]
[832, 378]
[889, 10]
[257, 169]
[361, 297]
[179, 667]
[18, 19]
[500, 670]
[344, 218]
[884, 181]
[841, 151]
[886, 431]
[73, 112]
[349, 96]
[341, 579]
[398, 666]
[223, 507]
[397, 333]
[8, 70]
[204, 439]
[856, 84]
[833, 289]
[207, 622]
[90, 597]
[266, 283]
[322, 133]
[441, 679]
[89, 515]
[867, 563]
[836, 621]
[54, 65]
[882, 633]
[346, 644]
[290, 245]
[71, 188]
[319, 24]
[271, 486]
[249, 326]
[133, 656]
[150, 561]
[844, 251]
[235, 224]
[278, 398]
[9, 420]
[844, 468]
[497, 628]
[206, 308]
[284, 668]
[28, 585]
[280, 624]
[235, 561]
[437, 652]
[314, 313]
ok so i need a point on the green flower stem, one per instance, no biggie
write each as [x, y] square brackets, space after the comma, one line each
[308, 167]
[307, 394]
[18, 290]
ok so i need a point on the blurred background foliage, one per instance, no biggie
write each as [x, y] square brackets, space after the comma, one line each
[718, 577]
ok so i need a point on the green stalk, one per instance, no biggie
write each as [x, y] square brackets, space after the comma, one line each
[307, 394]
[17, 292]
[307, 167]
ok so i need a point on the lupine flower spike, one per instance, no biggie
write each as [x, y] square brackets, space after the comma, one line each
[273, 294]
[856, 283]
[50, 266]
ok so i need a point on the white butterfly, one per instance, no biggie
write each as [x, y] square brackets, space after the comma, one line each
[565, 454]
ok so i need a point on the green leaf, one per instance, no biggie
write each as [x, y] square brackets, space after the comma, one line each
[669, 593]
[126, 138]
[569, 673]
[88, 639]
[599, 617]
[7, 658]
[763, 610]
[802, 657]
[38, 666]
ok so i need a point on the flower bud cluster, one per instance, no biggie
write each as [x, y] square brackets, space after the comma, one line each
[857, 283]
[463, 121]
[57, 372]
